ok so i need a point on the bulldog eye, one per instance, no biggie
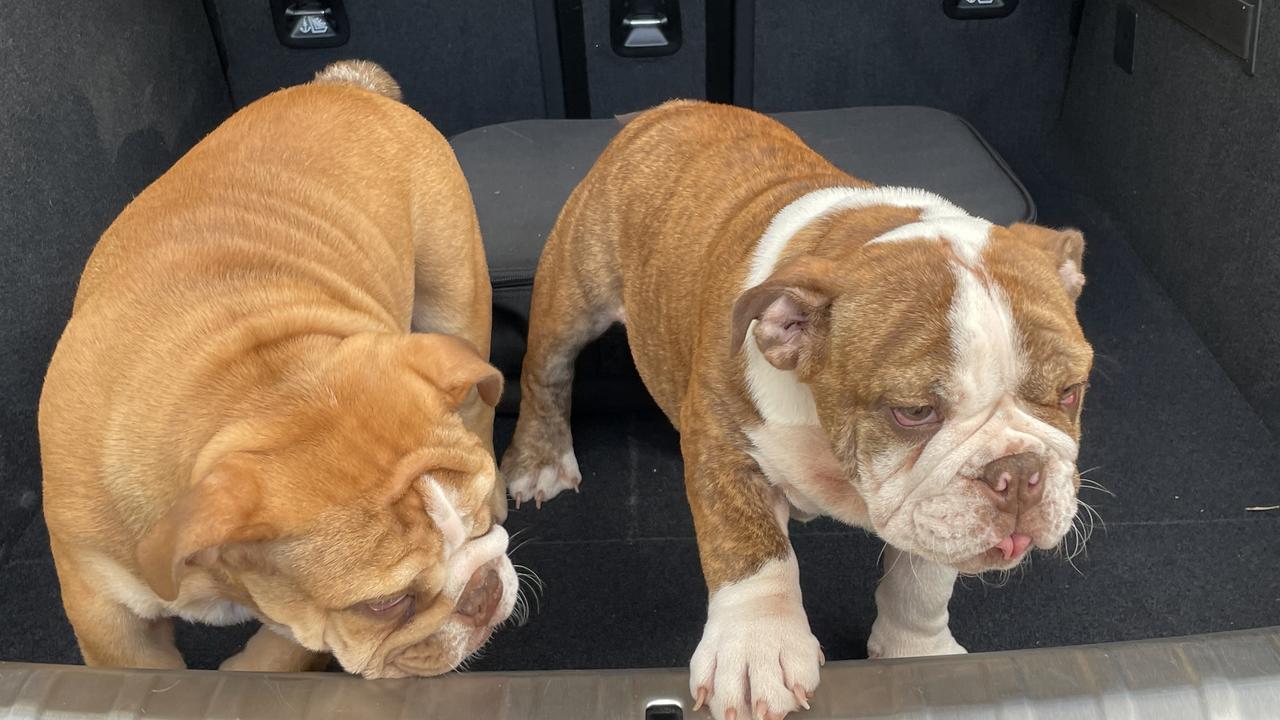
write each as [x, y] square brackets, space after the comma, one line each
[914, 417]
[1070, 397]
[389, 606]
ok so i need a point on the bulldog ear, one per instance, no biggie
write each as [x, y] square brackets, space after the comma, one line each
[453, 365]
[1066, 247]
[791, 308]
[220, 511]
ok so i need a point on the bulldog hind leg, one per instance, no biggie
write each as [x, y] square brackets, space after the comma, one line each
[109, 633]
[576, 297]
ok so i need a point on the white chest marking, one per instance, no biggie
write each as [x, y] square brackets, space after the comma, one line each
[798, 460]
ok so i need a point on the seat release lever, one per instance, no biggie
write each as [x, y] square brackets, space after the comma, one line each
[645, 28]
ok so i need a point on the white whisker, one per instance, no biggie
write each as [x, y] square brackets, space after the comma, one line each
[1090, 484]
[517, 548]
[895, 559]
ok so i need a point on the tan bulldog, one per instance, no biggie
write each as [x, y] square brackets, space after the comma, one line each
[238, 423]
[825, 347]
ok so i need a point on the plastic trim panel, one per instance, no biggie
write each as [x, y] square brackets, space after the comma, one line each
[1224, 675]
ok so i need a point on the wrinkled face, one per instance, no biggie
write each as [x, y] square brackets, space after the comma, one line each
[412, 590]
[399, 568]
[956, 403]
[356, 519]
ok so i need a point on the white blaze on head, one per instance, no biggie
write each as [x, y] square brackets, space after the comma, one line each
[989, 363]
[442, 508]
[463, 553]
[987, 353]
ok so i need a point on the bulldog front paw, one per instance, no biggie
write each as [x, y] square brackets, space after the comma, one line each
[763, 666]
[887, 641]
[269, 651]
[540, 481]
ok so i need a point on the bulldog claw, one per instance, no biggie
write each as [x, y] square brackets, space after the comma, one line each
[700, 699]
[802, 696]
[761, 664]
[540, 484]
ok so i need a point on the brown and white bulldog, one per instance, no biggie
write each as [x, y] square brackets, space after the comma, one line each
[238, 423]
[825, 347]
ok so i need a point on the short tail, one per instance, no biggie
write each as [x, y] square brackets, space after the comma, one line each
[361, 73]
[625, 118]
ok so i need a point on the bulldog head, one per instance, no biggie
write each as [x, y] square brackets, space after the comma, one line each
[352, 512]
[948, 371]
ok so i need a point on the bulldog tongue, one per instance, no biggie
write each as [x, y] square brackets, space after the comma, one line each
[1014, 545]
